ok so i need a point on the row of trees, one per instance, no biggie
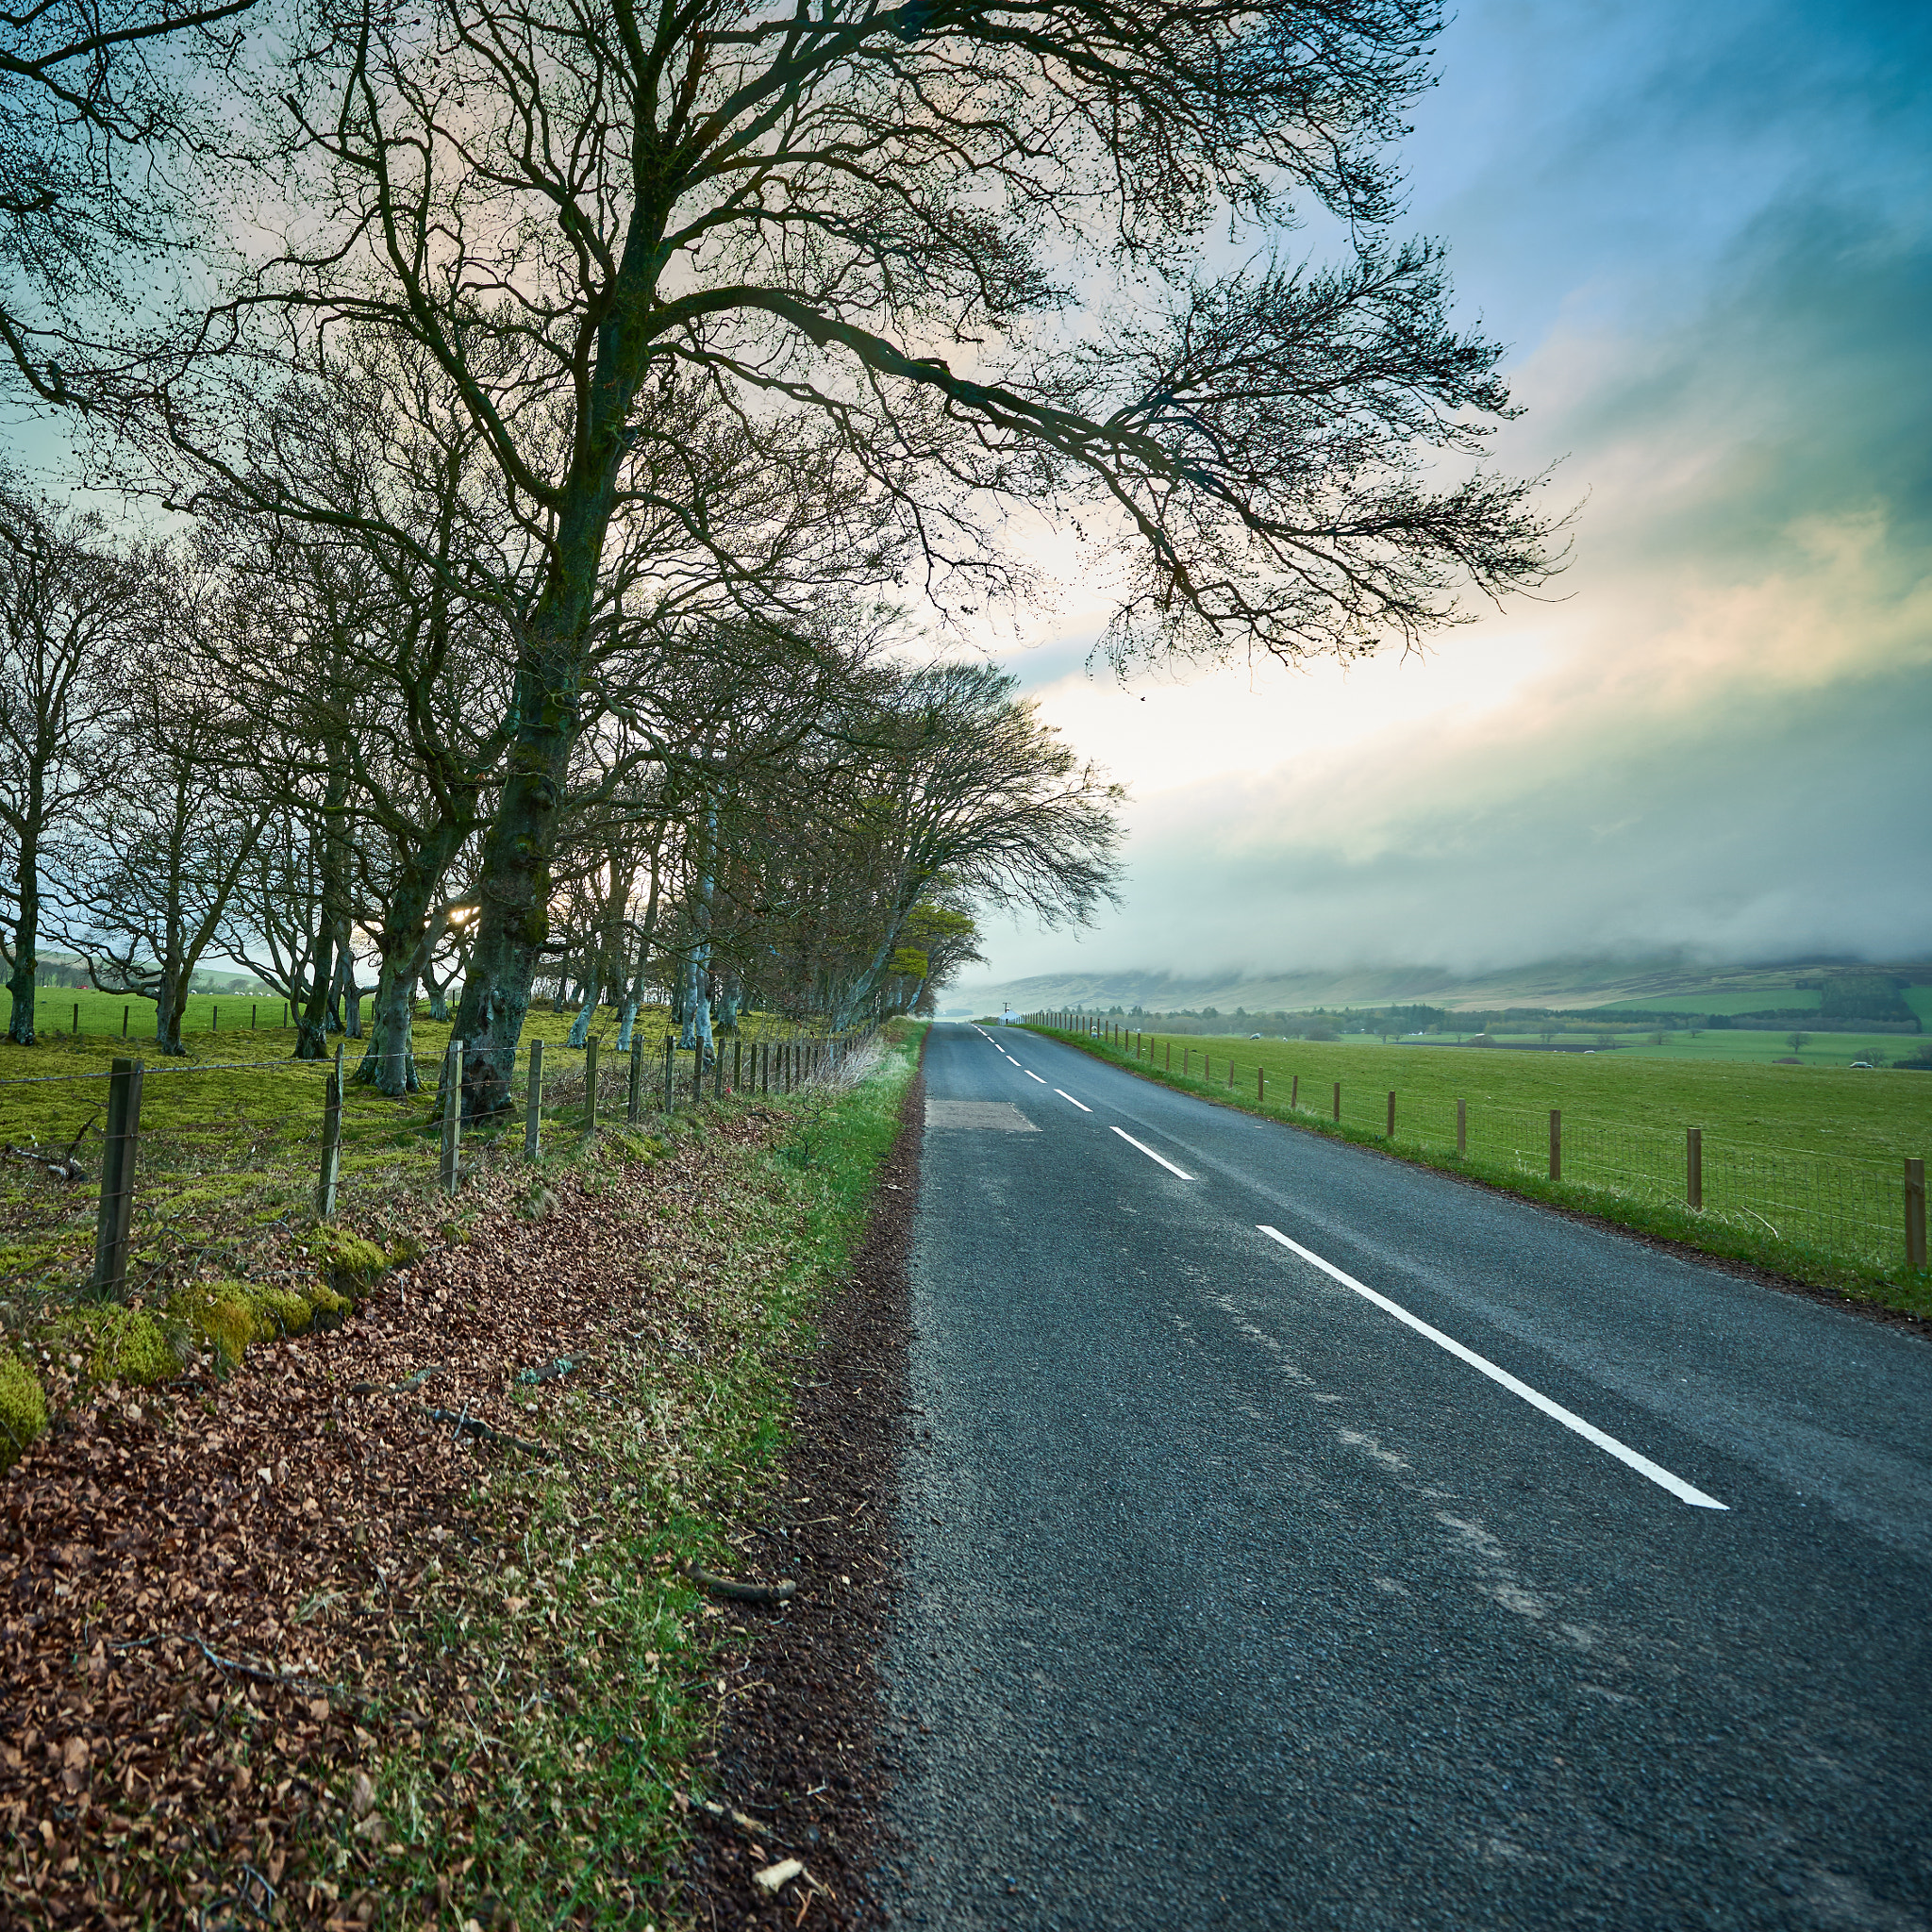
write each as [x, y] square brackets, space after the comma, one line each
[568, 394]
[259, 746]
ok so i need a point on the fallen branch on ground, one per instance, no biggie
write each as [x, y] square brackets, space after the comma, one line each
[467, 1424]
[739, 1592]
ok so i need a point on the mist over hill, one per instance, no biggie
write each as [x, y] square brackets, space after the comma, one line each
[1578, 984]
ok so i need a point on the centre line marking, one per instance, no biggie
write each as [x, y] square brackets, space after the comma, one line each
[1143, 1147]
[1080, 1104]
[1029, 1073]
[1589, 1431]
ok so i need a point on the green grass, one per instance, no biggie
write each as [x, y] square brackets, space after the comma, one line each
[1816, 1109]
[1803, 1165]
[231, 1144]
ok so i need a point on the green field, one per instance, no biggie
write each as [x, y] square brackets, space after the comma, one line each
[1802, 1166]
[1735, 1047]
[231, 1133]
[103, 1014]
[1822, 1109]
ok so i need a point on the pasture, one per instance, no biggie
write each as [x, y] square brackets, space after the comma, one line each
[1800, 1169]
[231, 1133]
[1818, 1107]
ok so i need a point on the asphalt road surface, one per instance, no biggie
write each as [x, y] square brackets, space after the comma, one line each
[1295, 1537]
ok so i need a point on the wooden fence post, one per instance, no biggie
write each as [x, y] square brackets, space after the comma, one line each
[1170, 1056]
[1294, 1092]
[717, 1072]
[533, 1103]
[452, 1114]
[1915, 1214]
[1260, 1088]
[124, 1011]
[76, 1019]
[117, 1179]
[1338, 1103]
[634, 1097]
[1462, 1127]
[736, 1064]
[253, 1013]
[214, 1023]
[331, 1140]
[589, 1085]
[670, 1071]
[1693, 1167]
[1555, 1143]
[1391, 1134]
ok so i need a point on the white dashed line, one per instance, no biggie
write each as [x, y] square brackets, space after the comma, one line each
[1147, 1151]
[1029, 1073]
[1589, 1431]
[1080, 1104]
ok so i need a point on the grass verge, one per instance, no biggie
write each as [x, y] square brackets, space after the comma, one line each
[562, 1801]
[387, 1625]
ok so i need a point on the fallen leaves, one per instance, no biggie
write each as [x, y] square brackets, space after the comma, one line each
[225, 1605]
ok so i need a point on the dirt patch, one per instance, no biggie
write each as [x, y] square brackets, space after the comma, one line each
[799, 1755]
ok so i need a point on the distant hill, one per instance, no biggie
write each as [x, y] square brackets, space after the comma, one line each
[1574, 985]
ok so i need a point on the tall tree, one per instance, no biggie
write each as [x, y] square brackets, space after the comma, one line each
[951, 249]
[69, 606]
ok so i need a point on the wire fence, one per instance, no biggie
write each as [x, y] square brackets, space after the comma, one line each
[1867, 1212]
[104, 1163]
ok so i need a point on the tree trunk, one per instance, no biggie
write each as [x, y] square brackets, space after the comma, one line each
[515, 878]
[171, 998]
[389, 1063]
[634, 995]
[311, 1019]
[515, 919]
[352, 992]
[26, 932]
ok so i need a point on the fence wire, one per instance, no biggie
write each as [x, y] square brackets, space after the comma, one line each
[243, 1142]
[1849, 1210]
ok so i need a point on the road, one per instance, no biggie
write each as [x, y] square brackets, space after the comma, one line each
[1429, 1560]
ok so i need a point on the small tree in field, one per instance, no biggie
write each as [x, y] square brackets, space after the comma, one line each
[1797, 1041]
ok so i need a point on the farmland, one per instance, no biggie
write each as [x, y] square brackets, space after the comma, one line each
[1817, 1109]
[1801, 1166]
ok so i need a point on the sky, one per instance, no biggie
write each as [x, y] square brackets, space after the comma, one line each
[1706, 234]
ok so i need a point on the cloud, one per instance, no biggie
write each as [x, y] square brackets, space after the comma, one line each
[1719, 741]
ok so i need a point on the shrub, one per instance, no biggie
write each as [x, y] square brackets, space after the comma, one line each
[22, 1408]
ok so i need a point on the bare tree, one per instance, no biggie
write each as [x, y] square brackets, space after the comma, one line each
[69, 605]
[652, 250]
[93, 96]
[166, 845]
[942, 792]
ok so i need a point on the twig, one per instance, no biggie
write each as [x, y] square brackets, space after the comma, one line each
[282, 1680]
[466, 1423]
[732, 1815]
[739, 1592]
[60, 1166]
